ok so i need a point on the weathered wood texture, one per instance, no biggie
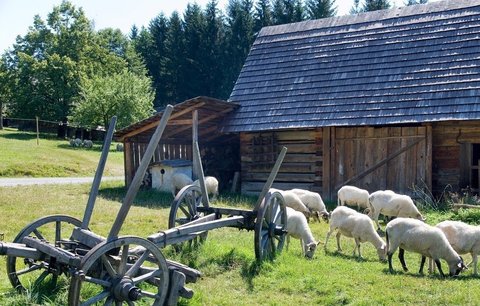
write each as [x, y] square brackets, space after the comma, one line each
[452, 154]
[301, 168]
[393, 158]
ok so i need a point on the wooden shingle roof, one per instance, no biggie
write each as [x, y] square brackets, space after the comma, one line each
[211, 112]
[405, 65]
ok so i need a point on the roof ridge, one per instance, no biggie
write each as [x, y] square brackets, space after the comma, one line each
[367, 17]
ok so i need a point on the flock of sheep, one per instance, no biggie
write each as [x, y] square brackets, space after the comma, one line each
[408, 231]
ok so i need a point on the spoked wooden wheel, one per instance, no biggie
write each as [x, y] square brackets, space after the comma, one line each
[270, 226]
[184, 209]
[121, 271]
[44, 273]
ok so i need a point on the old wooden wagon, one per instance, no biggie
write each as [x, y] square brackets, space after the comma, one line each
[126, 269]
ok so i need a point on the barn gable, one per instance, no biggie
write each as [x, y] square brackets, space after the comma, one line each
[411, 64]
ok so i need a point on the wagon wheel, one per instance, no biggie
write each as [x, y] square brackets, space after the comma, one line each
[270, 226]
[113, 273]
[184, 209]
[55, 230]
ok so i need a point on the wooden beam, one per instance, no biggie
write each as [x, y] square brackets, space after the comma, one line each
[380, 163]
[155, 123]
[206, 119]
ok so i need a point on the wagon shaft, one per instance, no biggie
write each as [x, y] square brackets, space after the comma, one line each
[19, 250]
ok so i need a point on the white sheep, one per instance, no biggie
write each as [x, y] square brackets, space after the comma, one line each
[293, 201]
[211, 183]
[353, 196]
[349, 222]
[391, 204]
[464, 238]
[180, 180]
[88, 143]
[419, 237]
[297, 227]
[313, 201]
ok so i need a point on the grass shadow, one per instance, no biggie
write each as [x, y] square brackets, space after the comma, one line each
[150, 198]
[349, 257]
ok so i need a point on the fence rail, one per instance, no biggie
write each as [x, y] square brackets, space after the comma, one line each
[62, 129]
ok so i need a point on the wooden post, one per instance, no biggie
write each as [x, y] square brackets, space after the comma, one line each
[99, 173]
[38, 133]
[236, 178]
[197, 162]
[326, 171]
[140, 173]
[194, 141]
[271, 177]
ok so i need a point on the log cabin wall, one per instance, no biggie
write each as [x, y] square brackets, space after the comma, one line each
[378, 158]
[301, 168]
[456, 153]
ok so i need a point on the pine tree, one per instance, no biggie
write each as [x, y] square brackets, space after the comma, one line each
[287, 11]
[375, 5]
[413, 2]
[356, 7]
[240, 37]
[213, 52]
[194, 27]
[320, 8]
[174, 60]
[263, 15]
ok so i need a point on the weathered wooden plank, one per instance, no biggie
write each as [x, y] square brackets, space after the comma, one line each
[327, 170]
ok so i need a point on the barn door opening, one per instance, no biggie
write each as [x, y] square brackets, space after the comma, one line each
[470, 164]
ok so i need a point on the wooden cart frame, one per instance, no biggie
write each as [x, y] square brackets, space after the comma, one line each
[117, 270]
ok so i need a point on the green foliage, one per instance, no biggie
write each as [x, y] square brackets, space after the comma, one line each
[125, 95]
[320, 8]
[374, 5]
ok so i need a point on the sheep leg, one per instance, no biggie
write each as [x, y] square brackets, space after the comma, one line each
[326, 239]
[474, 260]
[401, 256]
[422, 263]
[390, 268]
[288, 241]
[357, 246]
[439, 266]
[339, 248]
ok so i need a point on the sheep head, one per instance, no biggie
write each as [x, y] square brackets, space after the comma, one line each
[310, 249]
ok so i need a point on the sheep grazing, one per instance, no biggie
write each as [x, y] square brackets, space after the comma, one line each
[314, 203]
[391, 204]
[419, 237]
[293, 201]
[297, 227]
[88, 143]
[353, 196]
[180, 180]
[211, 183]
[358, 226]
[463, 238]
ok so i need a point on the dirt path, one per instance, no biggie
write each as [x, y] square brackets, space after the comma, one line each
[11, 182]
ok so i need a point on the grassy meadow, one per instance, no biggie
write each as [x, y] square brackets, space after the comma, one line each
[20, 156]
[231, 276]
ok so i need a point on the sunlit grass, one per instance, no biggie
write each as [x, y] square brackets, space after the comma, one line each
[21, 156]
[231, 275]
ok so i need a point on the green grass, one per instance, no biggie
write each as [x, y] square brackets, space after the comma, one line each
[231, 276]
[21, 156]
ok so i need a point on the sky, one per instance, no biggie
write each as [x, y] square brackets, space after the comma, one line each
[16, 16]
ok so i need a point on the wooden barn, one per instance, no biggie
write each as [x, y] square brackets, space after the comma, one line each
[381, 100]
